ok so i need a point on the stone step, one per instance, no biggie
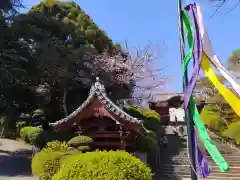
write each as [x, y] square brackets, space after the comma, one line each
[213, 174]
[183, 168]
[184, 151]
[186, 163]
[175, 163]
[230, 157]
[235, 160]
[188, 177]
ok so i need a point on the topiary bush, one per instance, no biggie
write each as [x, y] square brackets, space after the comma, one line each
[80, 141]
[152, 120]
[107, 165]
[147, 143]
[148, 113]
[80, 149]
[29, 134]
[134, 111]
[46, 164]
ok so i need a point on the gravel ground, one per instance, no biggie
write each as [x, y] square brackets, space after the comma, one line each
[15, 160]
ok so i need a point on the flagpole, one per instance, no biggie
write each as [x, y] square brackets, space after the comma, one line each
[188, 112]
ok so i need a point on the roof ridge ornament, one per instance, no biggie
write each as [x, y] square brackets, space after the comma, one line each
[97, 86]
[97, 79]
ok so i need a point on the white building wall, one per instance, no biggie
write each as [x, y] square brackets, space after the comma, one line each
[176, 114]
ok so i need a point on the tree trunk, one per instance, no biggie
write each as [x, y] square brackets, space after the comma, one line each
[64, 102]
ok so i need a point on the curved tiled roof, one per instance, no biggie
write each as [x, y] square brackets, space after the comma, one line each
[98, 90]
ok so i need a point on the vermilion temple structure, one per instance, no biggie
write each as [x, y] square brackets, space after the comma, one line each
[98, 117]
[163, 103]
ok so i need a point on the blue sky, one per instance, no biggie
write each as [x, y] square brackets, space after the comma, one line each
[139, 22]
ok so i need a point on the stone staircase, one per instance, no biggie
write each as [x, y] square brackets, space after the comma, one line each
[175, 164]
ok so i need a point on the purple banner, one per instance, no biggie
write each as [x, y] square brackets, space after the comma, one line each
[197, 54]
[201, 161]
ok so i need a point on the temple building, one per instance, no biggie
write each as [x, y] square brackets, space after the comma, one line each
[170, 106]
[101, 119]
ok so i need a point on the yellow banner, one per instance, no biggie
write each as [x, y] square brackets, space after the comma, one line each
[227, 94]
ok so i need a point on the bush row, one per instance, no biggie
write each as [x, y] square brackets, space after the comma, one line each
[56, 162]
[39, 138]
[214, 119]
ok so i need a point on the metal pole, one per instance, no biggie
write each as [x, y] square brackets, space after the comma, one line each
[188, 114]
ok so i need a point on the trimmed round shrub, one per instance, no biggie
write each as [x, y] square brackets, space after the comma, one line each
[84, 148]
[147, 143]
[107, 165]
[29, 134]
[134, 111]
[72, 150]
[45, 164]
[152, 124]
[56, 146]
[148, 113]
[80, 141]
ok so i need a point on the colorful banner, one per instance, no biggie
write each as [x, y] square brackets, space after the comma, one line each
[202, 164]
[208, 56]
[212, 57]
[201, 167]
[208, 143]
[195, 48]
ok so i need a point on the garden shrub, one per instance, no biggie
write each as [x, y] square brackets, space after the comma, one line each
[80, 141]
[152, 120]
[107, 165]
[72, 150]
[29, 134]
[38, 113]
[56, 146]
[134, 111]
[152, 124]
[45, 164]
[148, 113]
[84, 148]
[147, 143]
[47, 136]
[232, 132]
[212, 118]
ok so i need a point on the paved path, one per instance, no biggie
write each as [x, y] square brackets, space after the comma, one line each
[15, 160]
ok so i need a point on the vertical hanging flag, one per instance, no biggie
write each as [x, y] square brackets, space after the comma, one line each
[196, 48]
[202, 165]
[212, 57]
[208, 56]
[191, 24]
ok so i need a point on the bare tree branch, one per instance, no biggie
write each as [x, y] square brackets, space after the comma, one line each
[221, 3]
